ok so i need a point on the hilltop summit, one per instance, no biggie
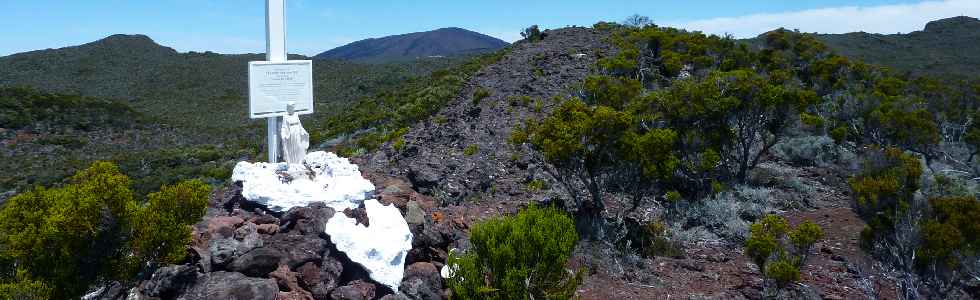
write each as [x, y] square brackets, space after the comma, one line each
[405, 47]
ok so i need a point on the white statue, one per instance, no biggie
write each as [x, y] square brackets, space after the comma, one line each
[295, 139]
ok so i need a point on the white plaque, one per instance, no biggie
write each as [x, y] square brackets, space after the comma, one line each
[272, 85]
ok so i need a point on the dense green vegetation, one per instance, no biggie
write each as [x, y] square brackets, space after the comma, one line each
[518, 257]
[932, 238]
[49, 137]
[22, 107]
[58, 242]
[687, 115]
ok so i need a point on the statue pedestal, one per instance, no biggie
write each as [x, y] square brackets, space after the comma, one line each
[324, 177]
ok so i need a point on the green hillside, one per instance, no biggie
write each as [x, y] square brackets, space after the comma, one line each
[204, 93]
[947, 48]
[160, 114]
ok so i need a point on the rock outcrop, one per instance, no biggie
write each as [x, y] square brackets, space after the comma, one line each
[263, 248]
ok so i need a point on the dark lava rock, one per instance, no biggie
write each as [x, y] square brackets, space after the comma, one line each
[309, 220]
[320, 280]
[257, 263]
[169, 281]
[359, 214]
[422, 282]
[298, 249]
[231, 286]
[423, 179]
[264, 219]
[222, 251]
[395, 297]
[356, 290]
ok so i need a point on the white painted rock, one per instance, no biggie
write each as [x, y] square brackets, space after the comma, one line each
[381, 248]
[323, 177]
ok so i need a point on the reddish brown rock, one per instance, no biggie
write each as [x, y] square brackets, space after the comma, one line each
[294, 296]
[269, 229]
[224, 226]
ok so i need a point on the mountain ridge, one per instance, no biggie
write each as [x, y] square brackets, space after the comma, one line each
[450, 41]
[946, 48]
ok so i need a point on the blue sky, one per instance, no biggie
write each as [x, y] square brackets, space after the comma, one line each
[237, 26]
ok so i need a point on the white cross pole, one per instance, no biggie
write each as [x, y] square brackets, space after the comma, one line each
[275, 50]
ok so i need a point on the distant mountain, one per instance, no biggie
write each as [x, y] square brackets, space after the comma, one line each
[200, 90]
[411, 46]
[948, 48]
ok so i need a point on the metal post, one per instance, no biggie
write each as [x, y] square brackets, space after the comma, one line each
[275, 49]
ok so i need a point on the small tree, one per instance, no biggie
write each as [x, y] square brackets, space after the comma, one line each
[583, 143]
[637, 21]
[532, 34]
[518, 257]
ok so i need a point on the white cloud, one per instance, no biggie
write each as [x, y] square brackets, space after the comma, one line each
[884, 19]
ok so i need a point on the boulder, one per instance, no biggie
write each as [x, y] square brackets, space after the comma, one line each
[308, 220]
[257, 263]
[231, 286]
[248, 237]
[298, 249]
[268, 229]
[169, 281]
[294, 296]
[395, 297]
[264, 219]
[422, 282]
[286, 279]
[381, 248]
[222, 251]
[224, 226]
[320, 280]
[414, 214]
[356, 290]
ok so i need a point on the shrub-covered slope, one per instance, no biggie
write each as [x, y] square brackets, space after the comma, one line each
[461, 152]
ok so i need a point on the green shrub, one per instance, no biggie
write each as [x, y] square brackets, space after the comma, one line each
[804, 236]
[839, 134]
[480, 94]
[952, 232]
[536, 185]
[58, 242]
[886, 184]
[162, 225]
[811, 120]
[518, 257]
[764, 239]
[782, 272]
[471, 149]
[767, 247]
[658, 241]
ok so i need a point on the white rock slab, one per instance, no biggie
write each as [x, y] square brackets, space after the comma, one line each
[381, 248]
[323, 177]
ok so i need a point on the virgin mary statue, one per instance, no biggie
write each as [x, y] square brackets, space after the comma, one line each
[295, 139]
